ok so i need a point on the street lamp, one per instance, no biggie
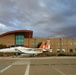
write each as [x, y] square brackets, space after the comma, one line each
[60, 45]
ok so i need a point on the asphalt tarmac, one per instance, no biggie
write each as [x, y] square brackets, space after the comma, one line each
[38, 66]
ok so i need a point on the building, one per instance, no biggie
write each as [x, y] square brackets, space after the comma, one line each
[25, 38]
[17, 37]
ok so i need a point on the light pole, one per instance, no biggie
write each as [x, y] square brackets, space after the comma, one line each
[29, 40]
[60, 45]
[34, 42]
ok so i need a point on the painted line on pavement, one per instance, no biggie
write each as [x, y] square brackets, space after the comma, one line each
[5, 68]
[27, 69]
[59, 71]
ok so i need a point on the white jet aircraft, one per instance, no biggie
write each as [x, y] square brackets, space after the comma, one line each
[23, 50]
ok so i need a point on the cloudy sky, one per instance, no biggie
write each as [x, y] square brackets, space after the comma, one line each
[47, 18]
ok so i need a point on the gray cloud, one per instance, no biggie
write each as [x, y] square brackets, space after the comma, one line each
[47, 18]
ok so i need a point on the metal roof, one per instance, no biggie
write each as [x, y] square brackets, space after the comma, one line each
[16, 31]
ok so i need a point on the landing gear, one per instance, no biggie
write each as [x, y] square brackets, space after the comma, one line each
[32, 55]
[17, 53]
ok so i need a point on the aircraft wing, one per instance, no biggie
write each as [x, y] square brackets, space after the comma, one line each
[29, 50]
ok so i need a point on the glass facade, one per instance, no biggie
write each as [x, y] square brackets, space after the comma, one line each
[19, 39]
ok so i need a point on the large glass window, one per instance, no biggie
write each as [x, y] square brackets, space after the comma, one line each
[19, 40]
[70, 43]
[36, 43]
[74, 43]
[62, 43]
[63, 50]
[58, 50]
[75, 50]
[32, 43]
[50, 50]
[71, 50]
[58, 43]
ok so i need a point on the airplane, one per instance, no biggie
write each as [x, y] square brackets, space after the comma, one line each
[22, 50]
[29, 51]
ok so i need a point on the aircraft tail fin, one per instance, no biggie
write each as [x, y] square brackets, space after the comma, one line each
[42, 45]
[47, 46]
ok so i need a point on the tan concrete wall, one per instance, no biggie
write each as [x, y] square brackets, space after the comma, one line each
[8, 40]
[25, 41]
[54, 43]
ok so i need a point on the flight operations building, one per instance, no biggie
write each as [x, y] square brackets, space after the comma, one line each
[25, 38]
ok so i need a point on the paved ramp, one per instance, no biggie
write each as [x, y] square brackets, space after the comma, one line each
[54, 66]
[16, 68]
